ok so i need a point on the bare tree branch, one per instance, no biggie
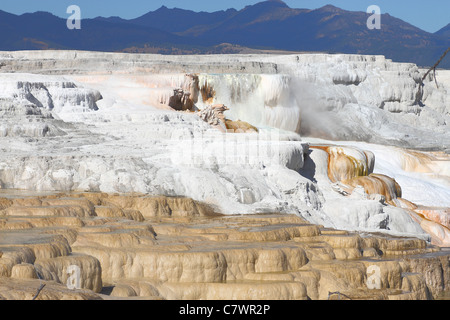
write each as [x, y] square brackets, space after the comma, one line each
[419, 94]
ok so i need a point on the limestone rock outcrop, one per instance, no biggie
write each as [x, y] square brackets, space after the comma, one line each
[214, 116]
[181, 101]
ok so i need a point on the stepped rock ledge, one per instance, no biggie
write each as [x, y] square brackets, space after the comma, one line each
[222, 177]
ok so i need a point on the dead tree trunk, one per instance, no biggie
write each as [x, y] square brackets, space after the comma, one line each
[433, 68]
[436, 64]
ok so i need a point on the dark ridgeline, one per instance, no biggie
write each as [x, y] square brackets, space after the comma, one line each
[444, 32]
[268, 25]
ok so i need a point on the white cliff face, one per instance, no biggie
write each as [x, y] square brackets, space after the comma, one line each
[50, 92]
[100, 122]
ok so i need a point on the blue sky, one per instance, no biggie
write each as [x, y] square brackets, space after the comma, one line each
[429, 15]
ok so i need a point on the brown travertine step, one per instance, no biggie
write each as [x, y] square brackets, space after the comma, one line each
[145, 247]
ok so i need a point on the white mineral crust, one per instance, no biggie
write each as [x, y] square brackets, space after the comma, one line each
[90, 121]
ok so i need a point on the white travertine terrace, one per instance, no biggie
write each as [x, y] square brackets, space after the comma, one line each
[87, 121]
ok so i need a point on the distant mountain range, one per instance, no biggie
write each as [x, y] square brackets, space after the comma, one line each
[268, 25]
[444, 32]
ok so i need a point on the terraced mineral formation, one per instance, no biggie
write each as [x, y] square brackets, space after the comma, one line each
[350, 171]
[139, 199]
[144, 247]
